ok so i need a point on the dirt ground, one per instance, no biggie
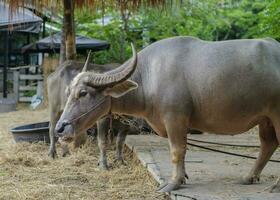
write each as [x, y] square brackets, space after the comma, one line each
[26, 172]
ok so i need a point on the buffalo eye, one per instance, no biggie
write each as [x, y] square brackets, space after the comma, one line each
[83, 93]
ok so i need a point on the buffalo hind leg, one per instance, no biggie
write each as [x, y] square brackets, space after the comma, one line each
[268, 144]
[119, 146]
[275, 188]
[177, 137]
[53, 120]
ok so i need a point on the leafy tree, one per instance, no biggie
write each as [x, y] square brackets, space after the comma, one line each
[270, 20]
[209, 20]
[243, 18]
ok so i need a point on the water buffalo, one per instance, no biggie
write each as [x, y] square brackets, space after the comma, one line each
[57, 84]
[57, 87]
[183, 82]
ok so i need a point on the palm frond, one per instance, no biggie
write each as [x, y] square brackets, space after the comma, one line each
[92, 4]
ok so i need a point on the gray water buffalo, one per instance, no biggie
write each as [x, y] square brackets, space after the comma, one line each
[58, 83]
[182, 82]
[57, 88]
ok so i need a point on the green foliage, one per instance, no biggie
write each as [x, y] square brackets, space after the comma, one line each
[91, 26]
[190, 19]
[242, 17]
[30, 93]
[209, 20]
[270, 20]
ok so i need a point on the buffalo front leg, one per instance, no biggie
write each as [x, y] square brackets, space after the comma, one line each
[268, 144]
[80, 139]
[102, 129]
[64, 147]
[177, 138]
[119, 146]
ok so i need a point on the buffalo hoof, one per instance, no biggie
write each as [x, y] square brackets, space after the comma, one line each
[120, 160]
[249, 180]
[52, 153]
[65, 153]
[186, 177]
[168, 187]
[102, 165]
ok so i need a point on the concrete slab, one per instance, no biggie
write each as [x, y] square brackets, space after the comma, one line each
[213, 176]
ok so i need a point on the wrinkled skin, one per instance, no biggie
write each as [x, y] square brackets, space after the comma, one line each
[57, 84]
[182, 82]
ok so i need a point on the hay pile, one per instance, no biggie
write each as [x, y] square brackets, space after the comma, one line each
[26, 172]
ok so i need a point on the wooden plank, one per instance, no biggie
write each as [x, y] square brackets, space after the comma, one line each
[40, 89]
[27, 88]
[25, 99]
[30, 77]
[16, 84]
[23, 67]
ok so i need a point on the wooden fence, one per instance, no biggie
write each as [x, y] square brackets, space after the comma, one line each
[35, 84]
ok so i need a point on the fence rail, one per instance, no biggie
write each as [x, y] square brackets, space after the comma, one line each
[19, 90]
[31, 77]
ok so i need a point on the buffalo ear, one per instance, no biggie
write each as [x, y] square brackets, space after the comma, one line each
[120, 89]
[85, 68]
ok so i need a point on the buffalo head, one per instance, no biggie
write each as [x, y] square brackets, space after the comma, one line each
[90, 97]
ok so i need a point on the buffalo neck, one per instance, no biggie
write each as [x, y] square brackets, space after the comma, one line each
[132, 103]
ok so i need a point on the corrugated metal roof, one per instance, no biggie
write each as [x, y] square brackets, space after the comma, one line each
[22, 20]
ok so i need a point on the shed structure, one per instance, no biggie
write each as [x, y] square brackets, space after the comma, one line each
[16, 30]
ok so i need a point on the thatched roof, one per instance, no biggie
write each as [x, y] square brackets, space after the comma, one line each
[91, 4]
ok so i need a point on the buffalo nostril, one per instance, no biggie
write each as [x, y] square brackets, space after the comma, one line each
[61, 128]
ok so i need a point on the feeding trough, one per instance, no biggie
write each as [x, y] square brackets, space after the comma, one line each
[37, 132]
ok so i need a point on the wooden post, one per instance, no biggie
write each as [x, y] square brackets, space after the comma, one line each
[16, 84]
[39, 90]
[6, 64]
[62, 53]
[69, 29]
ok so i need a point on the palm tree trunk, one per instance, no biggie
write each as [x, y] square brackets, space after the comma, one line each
[125, 15]
[69, 29]
[62, 53]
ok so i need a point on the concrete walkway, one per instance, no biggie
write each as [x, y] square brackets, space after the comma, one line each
[213, 176]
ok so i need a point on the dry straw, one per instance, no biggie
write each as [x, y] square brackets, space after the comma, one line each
[26, 172]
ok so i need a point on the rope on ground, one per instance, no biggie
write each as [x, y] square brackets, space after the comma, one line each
[228, 153]
[181, 195]
[224, 144]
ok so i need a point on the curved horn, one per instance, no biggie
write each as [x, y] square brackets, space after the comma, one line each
[114, 76]
[87, 62]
